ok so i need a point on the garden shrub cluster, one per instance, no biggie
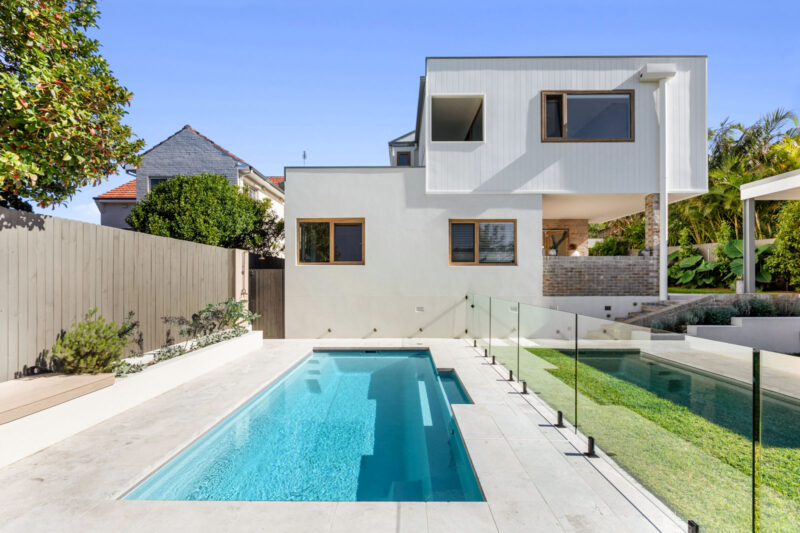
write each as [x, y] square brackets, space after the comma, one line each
[212, 324]
[94, 345]
[689, 269]
[721, 316]
[610, 246]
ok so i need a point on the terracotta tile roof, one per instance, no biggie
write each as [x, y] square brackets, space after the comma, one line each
[276, 180]
[126, 191]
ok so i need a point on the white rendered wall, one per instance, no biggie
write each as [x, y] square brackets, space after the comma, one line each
[406, 261]
[776, 334]
[512, 157]
[595, 306]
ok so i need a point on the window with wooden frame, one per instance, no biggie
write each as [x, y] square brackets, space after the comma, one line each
[483, 242]
[588, 116]
[403, 159]
[330, 241]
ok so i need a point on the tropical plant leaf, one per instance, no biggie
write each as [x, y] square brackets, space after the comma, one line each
[690, 261]
[673, 255]
[737, 266]
[706, 266]
[734, 248]
[686, 277]
[763, 276]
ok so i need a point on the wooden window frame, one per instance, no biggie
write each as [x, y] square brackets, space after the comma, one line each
[545, 139]
[332, 236]
[397, 159]
[477, 222]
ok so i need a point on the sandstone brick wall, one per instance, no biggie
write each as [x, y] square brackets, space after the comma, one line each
[578, 231]
[651, 221]
[600, 276]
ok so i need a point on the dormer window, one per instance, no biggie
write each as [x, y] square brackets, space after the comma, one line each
[456, 118]
[587, 116]
[403, 159]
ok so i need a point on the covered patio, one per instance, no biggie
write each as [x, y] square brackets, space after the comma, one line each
[784, 186]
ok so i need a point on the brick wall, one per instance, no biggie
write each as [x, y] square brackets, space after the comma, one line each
[578, 231]
[600, 276]
[651, 220]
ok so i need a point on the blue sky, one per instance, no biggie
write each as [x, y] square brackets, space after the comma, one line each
[267, 80]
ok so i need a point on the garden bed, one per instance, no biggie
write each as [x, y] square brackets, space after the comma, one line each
[32, 433]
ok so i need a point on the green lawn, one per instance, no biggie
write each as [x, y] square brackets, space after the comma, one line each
[701, 470]
[684, 290]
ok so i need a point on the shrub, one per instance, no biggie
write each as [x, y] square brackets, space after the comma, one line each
[785, 259]
[229, 314]
[687, 266]
[610, 246]
[206, 208]
[93, 345]
[718, 316]
[759, 307]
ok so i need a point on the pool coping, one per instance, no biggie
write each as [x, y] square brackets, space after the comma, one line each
[86, 474]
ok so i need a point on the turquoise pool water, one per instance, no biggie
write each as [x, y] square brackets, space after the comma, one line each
[340, 426]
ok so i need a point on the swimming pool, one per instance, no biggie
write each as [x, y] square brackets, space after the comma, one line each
[340, 426]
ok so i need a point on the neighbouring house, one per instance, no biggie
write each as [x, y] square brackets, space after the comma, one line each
[510, 160]
[186, 152]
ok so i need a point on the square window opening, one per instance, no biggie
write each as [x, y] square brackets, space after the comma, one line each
[403, 159]
[456, 118]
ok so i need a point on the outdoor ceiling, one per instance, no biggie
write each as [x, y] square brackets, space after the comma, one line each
[596, 207]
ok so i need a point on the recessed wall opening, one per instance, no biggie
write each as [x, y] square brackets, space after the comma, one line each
[457, 118]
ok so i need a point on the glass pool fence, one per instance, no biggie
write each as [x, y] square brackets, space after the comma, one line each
[710, 428]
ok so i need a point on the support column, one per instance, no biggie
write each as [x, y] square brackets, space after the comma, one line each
[655, 239]
[749, 248]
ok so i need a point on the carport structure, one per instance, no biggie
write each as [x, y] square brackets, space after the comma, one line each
[784, 186]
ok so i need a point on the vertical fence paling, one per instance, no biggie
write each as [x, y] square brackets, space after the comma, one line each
[53, 270]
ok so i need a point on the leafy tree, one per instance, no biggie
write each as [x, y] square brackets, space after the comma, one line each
[60, 106]
[207, 209]
[785, 259]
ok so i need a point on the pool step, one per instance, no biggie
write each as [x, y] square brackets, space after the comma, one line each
[407, 491]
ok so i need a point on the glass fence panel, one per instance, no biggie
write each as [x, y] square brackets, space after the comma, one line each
[779, 491]
[504, 334]
[481, 320]
[547, 356]
[675, 412]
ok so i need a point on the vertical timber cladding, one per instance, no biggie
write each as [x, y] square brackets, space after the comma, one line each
[266, 300]
[52, 271]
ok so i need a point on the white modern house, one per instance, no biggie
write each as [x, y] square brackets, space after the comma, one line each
[186, 152]
[510, 160]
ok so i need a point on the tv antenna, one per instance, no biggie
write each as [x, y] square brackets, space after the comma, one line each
[304, 158]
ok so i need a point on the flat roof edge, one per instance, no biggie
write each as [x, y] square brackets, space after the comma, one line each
[657, 56]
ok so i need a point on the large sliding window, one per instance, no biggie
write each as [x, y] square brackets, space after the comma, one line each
[483, 242]
[587, 116]
[331, 241]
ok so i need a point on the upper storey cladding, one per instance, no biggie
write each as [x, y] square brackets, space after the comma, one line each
[484, 128]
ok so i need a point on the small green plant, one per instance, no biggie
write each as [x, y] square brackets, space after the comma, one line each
[610, 246]
[718, 316]
[94, 345]
[228, 314]
[759, 307]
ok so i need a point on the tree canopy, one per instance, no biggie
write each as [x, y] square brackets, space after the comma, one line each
[60, 106]
[207, 209]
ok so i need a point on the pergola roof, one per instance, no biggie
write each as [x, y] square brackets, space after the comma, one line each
[784, 186]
